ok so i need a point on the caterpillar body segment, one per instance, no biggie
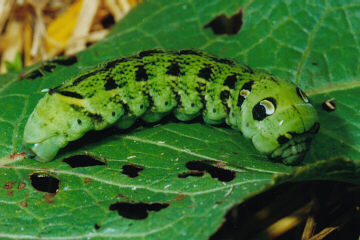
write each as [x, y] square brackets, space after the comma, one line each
[273, 112]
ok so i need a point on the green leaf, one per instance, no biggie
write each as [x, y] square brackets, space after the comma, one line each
[189, 174]
[15, 65]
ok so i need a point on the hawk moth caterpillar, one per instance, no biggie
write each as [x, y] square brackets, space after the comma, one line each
[273, 112]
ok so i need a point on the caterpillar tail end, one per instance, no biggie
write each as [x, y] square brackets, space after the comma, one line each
[43, 151]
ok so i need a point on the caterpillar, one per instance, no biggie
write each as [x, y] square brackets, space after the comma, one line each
[274, 113]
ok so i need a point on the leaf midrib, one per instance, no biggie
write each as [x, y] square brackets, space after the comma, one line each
[333, 88]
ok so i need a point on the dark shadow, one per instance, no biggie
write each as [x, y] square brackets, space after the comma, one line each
[327, 202]
[101, 137]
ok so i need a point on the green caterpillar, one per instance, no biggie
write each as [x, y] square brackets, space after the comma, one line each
[273, 112]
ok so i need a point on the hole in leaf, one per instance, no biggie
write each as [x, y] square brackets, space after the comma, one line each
[136, 211]
[97, 226]
[48, 66]
[44, 182]
[82, 161]
[194, 173]
[31, 74]
[197, 167]
[132, 170]
[224, 25]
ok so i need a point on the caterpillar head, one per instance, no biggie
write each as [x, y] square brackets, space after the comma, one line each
[279, 119]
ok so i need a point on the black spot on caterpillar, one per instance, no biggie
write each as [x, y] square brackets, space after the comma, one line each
[69, 94]
[205, 72]
[174, 69]
[110, 84]
[271, 111]
[190, 52]
[230, 81]
[244, 92]
[149, 52]
[140, 74]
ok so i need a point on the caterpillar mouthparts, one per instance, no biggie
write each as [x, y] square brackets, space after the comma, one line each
[292, 152]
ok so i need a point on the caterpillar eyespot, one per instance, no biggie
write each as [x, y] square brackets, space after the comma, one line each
[269, 105]
[273, 112]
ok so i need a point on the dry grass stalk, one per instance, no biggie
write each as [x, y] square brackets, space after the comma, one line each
[77, 42]
[40, 29]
